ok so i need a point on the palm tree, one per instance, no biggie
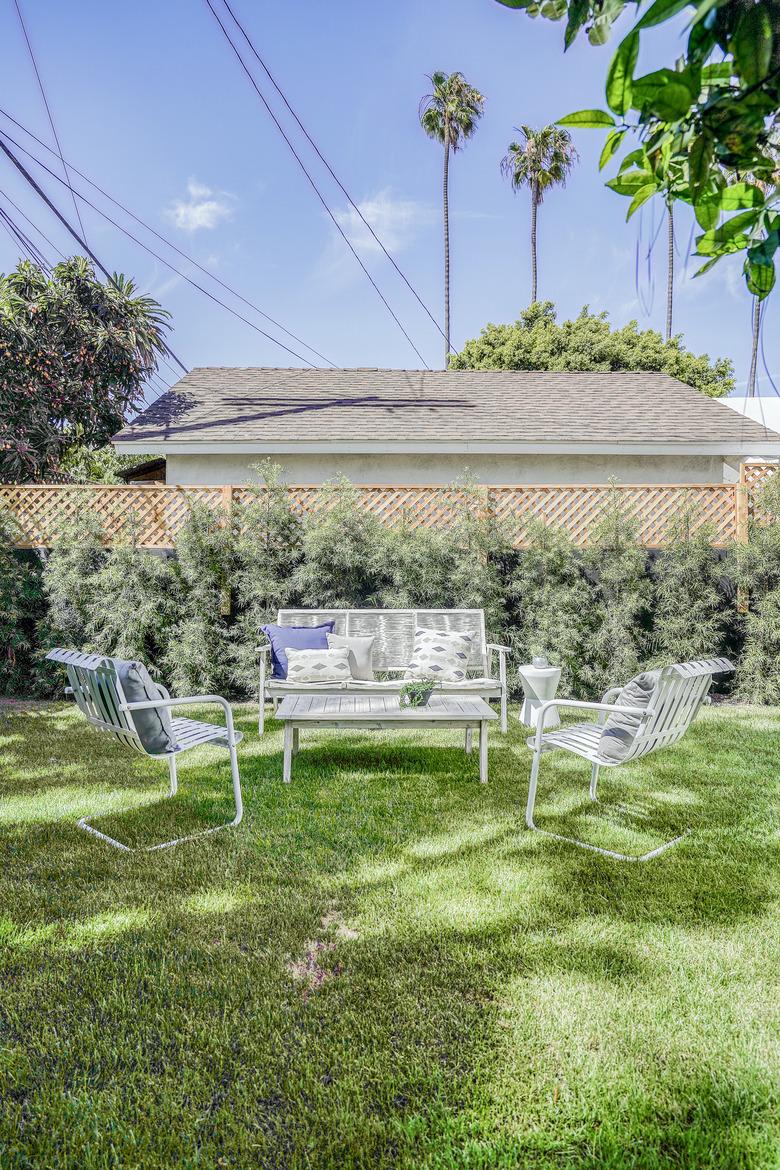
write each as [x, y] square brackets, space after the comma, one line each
[542, 159]
[669, 268]
[449, 114]
[756, 322]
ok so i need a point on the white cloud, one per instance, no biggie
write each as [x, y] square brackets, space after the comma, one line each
[395, 220]
[204, 208]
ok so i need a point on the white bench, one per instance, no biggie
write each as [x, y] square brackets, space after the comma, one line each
[393, 632]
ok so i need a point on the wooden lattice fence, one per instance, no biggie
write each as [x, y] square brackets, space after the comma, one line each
[156, 512]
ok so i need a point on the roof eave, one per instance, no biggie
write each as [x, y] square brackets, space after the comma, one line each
[723, 447]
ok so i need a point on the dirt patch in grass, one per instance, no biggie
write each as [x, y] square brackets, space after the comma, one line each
[311, 970]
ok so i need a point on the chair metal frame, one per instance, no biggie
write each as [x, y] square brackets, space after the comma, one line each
[98, 693]
[679, 694]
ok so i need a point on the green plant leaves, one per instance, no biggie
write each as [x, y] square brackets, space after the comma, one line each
[629, 182]
[662, 10]
[588, 119]
[752, 45]
[759, 266]
[621, 74]
[642, 196]
[732, 236]
[611, 146]
[665, 93]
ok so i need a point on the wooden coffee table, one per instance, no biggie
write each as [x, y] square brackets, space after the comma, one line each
[380, 712]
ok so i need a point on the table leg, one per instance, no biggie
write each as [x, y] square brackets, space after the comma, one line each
[296, 731]
[469, 739]
[483, 752]
[288, 743]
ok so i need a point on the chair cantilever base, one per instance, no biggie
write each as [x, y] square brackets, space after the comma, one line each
[85, 825]
[612, 852]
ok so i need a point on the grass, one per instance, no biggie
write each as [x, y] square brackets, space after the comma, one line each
[380, 967]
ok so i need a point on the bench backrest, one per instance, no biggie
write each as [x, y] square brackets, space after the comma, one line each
[99, 695]
[393, 630]
[680, 692]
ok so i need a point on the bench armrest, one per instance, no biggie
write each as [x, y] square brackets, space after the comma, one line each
[497, 646]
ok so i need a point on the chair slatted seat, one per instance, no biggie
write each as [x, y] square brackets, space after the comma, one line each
[96, 687]
[393, 631]
[676, 698]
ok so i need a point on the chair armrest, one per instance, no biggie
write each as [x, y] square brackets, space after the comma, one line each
[608, 697]
[203, 700]
[575, 703]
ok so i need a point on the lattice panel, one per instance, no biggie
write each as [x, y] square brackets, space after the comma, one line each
[158, 511]
[754, 475]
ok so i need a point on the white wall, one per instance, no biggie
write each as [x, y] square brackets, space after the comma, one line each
[443, 469]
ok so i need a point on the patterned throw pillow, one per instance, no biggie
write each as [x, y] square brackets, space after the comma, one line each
[439, 654]
[318, 665]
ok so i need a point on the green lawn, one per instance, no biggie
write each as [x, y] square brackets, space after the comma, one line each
[380, 967]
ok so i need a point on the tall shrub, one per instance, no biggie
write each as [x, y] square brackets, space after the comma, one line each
[69, 580]
[619, 640]
[554, 601]
[758, 574]
[199, 655]
[689, 604]
[136, 599]
[483, 557]
[420, 568]
[343, 564]
[20, 604]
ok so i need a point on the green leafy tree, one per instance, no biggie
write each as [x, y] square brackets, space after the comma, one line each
[20, 605]
[688, 617]
[540, 160]
[343, 565]
[199, 657]
[449, 114]
[758, 574]
[623, 596]
[74, 356]
[97, 464]
[136, 600]
[537, 342]
[709, 118]
[555, 603]
[69, 579]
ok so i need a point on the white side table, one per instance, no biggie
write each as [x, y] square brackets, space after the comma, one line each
[539, 684]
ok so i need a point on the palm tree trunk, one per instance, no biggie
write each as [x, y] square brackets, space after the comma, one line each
[446, 248]
[534, 207]
[669, 270]
[751, 385]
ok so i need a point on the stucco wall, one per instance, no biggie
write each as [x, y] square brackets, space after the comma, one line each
[442, 469]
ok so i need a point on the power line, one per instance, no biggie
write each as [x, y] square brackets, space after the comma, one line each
[25, 217]
[27, 245]
[314, 186]
[329, 168]
[39, 190]
[48, 109]
[161, 259]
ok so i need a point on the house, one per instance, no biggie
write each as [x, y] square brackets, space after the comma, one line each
[425, 427]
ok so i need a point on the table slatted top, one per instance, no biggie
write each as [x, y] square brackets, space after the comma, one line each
[384, 708]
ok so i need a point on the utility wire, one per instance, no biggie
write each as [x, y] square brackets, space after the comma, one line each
[48, 109]
[39, 190]
[356, 208]
[35, 227]
[27, 245]
[314, 186]
[167, 263]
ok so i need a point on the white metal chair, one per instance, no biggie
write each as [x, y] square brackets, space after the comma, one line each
[97, 689]
[676, 698]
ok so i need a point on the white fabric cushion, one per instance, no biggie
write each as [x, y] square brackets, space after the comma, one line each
[620, 728]
[439, 654]
[318, 665]
[361, 653]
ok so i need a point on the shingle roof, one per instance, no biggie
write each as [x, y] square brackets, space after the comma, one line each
[364, 405]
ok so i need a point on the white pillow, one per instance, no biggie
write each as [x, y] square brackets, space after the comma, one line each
[318, 665]
[440, 654]
[361, 651]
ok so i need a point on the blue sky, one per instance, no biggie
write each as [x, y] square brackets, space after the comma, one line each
[149, 101]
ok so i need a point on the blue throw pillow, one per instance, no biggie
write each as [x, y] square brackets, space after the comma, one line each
[283, 638]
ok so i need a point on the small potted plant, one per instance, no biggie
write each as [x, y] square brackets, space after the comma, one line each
[417, 693]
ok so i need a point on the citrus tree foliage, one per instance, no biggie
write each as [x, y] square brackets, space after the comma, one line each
[704, 123]
[83, 464]
[688, 612]
[537, 342]
[74, 354]
[20, 605]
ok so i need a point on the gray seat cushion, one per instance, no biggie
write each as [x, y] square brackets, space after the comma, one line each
[154, 727]
[620, 729]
